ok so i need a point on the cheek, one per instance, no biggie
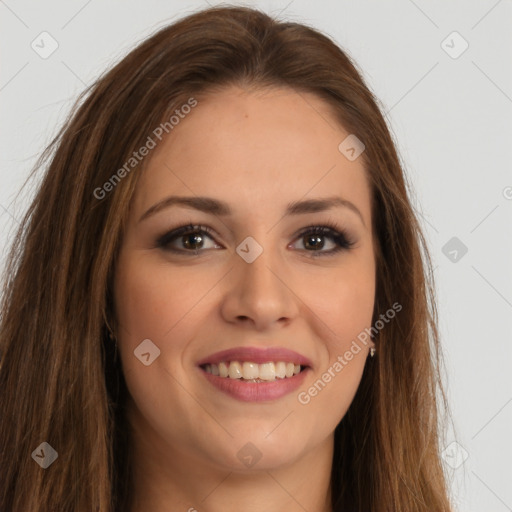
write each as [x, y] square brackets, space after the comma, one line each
[344, 300]
[156, 303]
[344, 303]
[352, 309]
[345, 310]
[151, 299]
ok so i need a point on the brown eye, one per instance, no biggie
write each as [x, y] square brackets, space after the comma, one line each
[188, 238]
[314, 237]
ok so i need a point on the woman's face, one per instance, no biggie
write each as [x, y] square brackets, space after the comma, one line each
[255, 285]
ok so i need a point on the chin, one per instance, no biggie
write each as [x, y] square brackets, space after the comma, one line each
[254, 450]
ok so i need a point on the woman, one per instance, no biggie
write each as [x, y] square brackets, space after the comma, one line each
[220, 296]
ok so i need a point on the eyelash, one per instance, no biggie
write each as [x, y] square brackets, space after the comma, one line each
[331, 230]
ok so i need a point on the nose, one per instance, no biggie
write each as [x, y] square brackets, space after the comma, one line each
[258, 294]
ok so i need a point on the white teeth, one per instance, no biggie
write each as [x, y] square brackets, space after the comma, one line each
[267, 371]
[250, 371]
[235, 370]
[281, 370]
[253, 372]
[223, 369]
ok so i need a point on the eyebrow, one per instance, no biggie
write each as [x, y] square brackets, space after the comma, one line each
[222, 209]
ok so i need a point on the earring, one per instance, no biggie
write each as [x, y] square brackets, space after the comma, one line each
[372, 351]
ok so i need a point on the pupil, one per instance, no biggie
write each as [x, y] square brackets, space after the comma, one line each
[187, 239]
[317, 241]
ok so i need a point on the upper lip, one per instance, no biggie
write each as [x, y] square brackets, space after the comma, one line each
[256, 355]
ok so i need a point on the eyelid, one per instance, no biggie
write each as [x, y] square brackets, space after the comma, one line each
[164, 240]
[343, 239]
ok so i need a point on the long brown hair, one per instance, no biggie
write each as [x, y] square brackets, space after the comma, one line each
[60, 382]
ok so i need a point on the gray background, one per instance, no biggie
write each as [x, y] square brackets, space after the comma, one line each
[450, 115]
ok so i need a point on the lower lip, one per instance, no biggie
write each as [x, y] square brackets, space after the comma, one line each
[257, 391]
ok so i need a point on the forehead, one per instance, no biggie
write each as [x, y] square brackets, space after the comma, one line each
[255, 147]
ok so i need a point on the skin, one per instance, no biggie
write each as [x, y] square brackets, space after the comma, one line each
[257, 151]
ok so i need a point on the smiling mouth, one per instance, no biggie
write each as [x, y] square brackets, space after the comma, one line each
[247, 371]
